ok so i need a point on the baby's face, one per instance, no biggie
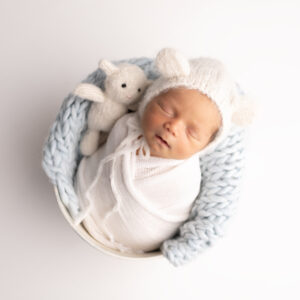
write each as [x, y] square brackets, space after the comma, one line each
[180, 122]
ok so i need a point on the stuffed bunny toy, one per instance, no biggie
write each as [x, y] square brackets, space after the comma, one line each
[124, 85]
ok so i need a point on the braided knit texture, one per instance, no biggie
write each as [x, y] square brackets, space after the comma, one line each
[221, 173]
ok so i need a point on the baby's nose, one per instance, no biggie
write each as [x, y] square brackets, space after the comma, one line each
[174, 126]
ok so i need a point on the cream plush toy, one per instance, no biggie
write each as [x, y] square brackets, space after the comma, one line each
[124, 85]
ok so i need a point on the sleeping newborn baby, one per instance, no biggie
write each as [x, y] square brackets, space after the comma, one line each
[138, 188]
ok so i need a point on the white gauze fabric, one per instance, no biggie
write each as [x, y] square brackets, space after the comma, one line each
[134, 202]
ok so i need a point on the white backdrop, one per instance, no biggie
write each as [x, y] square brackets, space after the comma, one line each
[48, 47]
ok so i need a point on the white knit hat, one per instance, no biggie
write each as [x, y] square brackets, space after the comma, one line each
[210, 77]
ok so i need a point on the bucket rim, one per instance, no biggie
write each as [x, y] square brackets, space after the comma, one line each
[82, 232]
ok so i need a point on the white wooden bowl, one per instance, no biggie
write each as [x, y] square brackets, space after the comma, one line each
[80, 229]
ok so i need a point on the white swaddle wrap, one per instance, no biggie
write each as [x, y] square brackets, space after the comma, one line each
[134, 202]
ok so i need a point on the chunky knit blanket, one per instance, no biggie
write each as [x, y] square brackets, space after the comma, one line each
[221, 174]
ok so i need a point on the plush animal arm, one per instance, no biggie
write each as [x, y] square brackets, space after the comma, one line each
[90, 92]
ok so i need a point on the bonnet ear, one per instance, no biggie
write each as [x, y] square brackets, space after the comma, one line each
[107, 67]
[171, 63]
[244, 109]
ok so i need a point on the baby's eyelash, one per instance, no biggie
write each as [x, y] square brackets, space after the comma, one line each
[193, 135]
[164, 109]
[190, 133]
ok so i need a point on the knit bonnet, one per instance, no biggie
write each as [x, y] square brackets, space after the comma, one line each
[211, 78]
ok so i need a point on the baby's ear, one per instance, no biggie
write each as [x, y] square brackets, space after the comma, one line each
[171, 63]
[245, 109]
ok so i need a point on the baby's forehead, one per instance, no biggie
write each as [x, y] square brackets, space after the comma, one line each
[191, 102]
[184, 97]
[181, 92]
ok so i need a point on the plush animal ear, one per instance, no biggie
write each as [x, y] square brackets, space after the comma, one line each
[245, 109]
[171, 63]
[107, 67]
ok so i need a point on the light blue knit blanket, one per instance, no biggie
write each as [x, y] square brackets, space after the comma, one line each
[221, 173]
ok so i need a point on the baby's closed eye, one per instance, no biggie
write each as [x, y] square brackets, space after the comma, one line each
[193, 132]
[165, 108]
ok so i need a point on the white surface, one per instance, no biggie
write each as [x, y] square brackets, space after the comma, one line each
[47, 47]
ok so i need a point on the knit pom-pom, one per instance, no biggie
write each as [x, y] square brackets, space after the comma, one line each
[245, 111]
[171, 63]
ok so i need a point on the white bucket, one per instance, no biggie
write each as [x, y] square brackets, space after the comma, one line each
[96, 244]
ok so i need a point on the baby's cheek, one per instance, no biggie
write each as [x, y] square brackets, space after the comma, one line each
[153, 121]
[183, 148]
[146, 122]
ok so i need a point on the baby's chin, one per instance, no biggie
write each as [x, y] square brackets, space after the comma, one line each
[154, 153]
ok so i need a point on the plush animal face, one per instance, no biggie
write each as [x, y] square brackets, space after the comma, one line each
[126, 84]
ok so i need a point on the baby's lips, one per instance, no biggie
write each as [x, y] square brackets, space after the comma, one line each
[164, 140]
